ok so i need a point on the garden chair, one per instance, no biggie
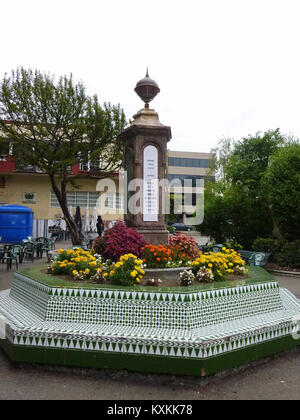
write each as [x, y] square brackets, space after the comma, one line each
[29, 250]
[217, 248]
[85, 241]
[2, 253]
[18, 250]
[255, 258]
[40, 244]
[44, 247]
[9, 257]
[52, 242]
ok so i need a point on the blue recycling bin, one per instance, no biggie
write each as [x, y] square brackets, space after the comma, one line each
[16, 223]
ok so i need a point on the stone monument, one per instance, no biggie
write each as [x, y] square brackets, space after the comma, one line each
[145, 158]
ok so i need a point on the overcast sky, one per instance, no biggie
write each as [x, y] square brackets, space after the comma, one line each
[226, 68]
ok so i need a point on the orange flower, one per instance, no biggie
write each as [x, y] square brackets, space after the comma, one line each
[158, 259]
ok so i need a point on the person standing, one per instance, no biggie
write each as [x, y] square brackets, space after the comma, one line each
[78, 220]
[100, 225]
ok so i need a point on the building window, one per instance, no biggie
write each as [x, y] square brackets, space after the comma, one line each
[191, 178]
[188, 162]
[114, 201]
[77, 198]
[87, 165]
[7, 151]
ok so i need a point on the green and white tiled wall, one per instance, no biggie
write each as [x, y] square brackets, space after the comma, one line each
[195, 326]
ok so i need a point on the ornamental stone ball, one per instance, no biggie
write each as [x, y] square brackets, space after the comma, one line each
[147, 89]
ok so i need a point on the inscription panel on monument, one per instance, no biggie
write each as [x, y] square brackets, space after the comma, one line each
[150, 185]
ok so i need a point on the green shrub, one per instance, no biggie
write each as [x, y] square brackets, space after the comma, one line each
[171, 229]
[289, 255]
[233, 245]
[269, 245]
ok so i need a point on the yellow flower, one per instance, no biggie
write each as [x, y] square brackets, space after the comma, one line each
[87, 271]
[111, 273]
[74, 272]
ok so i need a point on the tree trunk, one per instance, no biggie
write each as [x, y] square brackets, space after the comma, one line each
[61, 195]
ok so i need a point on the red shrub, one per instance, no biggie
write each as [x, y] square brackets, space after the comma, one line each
[186, 244]
[121, 240]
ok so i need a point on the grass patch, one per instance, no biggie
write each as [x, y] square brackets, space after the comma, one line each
[37, 273]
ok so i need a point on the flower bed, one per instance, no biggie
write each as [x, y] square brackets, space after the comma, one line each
[164, 256]
[85, 266]
[210, 267]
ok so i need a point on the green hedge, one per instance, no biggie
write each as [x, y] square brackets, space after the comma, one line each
[286, 254]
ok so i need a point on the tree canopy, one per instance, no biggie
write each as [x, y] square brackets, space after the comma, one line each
[283, 182]
[241, 204]
[53, 124]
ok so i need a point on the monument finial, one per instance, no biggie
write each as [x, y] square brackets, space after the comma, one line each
[147, 89]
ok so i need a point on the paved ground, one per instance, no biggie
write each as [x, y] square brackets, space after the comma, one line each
[274, 379]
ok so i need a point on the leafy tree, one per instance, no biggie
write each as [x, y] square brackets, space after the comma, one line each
[249, 160]
[283, 181]
[176, 202]
[237, 205]
[233, 215]
[215, 220]
[54, 124]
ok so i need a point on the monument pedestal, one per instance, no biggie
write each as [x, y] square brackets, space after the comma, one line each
[155, 236]
[145, 161]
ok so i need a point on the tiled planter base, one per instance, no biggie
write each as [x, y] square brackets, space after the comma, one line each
[165, 274]
[147, 364]
[192, 333]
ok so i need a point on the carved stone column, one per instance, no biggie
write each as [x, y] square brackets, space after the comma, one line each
[145, 158]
